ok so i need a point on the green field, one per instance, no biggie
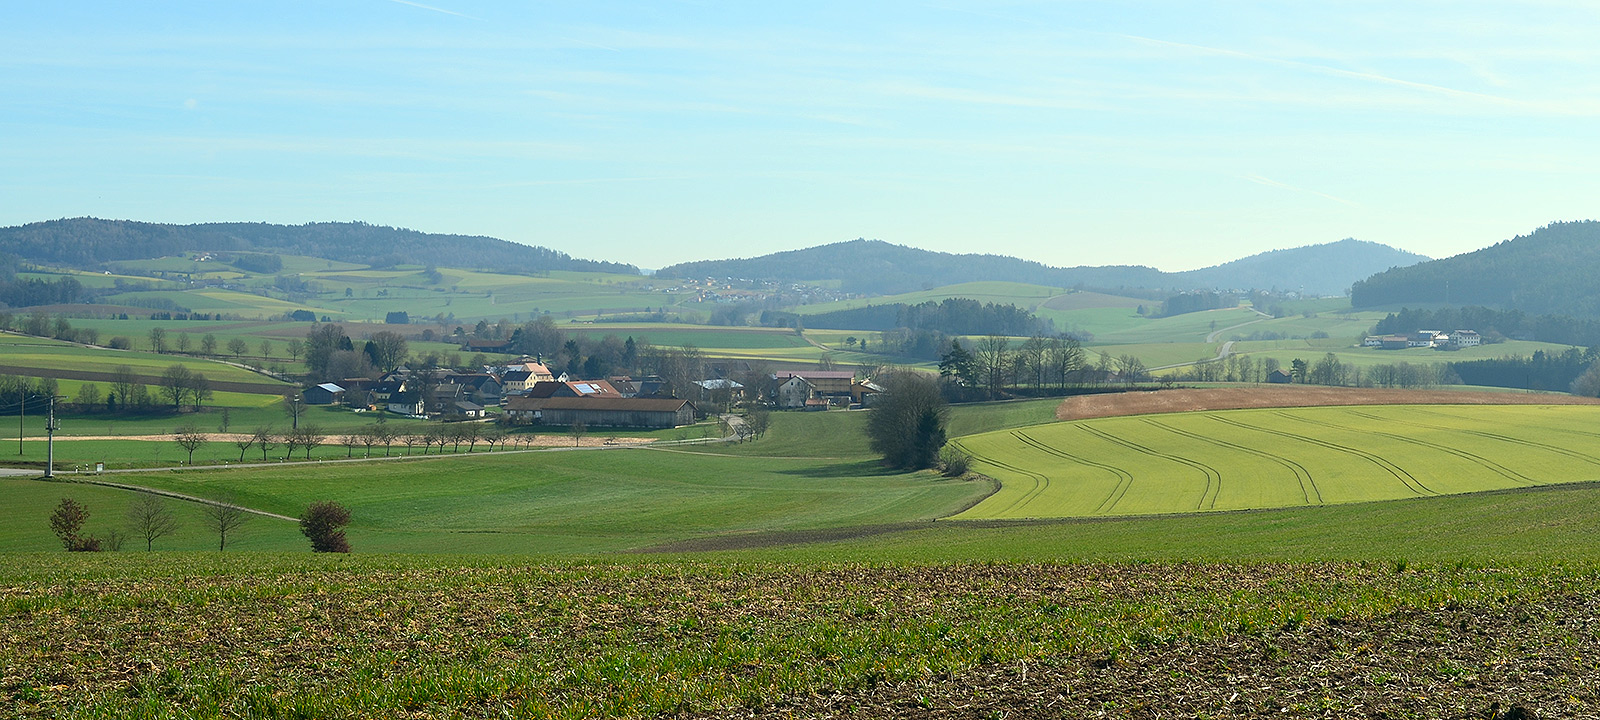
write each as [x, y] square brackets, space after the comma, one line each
[39, 357]
[1251, 459]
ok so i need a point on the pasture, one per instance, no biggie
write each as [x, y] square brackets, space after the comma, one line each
[1252, 459]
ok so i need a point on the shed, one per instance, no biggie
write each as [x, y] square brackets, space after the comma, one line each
[324, 394]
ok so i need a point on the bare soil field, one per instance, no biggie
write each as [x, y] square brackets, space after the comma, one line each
[1502, 660]
[1084, 407]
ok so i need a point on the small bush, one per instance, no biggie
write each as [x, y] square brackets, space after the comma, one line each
[67, 521]
[323, 523]
[120, 343]
[954, 462]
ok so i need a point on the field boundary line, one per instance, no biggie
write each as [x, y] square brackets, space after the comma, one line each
[176, 496]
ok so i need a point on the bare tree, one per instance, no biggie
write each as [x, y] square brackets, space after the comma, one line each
[577, 430]
[190, 439]
[471, 433]
[310, 437]
[150, 518]
[350, 440]
[993, 358]
[224, 516]
[291, 440]
[264, 438]
[238, 347]
[494, 436]
[296, 346]
[371, 435]
[243, 442]
[175, 381]
[411, 440]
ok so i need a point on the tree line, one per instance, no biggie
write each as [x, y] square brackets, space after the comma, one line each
[90, 242]
[954, 316]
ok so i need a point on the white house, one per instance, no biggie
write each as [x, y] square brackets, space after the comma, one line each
[1465, 338]
[794, 392]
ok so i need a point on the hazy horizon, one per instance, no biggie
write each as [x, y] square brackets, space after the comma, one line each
[1172, 135]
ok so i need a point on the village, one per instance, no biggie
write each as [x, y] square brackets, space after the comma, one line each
[1425, 339]
[527, 392]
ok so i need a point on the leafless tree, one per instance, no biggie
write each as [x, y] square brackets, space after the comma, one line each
[264, 438]
[224, 516]
[150, 518]
[350, 440]
[190, 439]
[243, 442]
[411, 440]
[310, 437]
[577, 431]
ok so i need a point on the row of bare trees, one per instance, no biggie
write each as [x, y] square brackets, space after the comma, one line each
[369, 438]
[148, 518]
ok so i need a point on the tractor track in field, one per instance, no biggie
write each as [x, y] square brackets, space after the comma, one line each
[1308, 485]
[1585, 457]
[1471, 457]
[1124, 478]
[1213, 477]
[1398, 472]
[1040, 482]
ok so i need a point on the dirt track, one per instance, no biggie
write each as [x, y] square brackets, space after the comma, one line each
[1152, 402]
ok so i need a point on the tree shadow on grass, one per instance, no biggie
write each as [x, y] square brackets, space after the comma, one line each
[862, 468]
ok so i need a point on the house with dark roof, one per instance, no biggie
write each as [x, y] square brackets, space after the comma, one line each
[324, 394]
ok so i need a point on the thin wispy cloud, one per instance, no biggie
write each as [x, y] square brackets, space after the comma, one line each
[437, 10]
[1269, 182]
[1330, 70]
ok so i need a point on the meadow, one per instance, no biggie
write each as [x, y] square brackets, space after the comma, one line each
[1252, 459]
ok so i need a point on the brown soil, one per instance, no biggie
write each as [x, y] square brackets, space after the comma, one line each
[1151, 402]
[333, 440]
[1504, 661]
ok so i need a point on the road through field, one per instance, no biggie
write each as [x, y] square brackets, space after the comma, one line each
[1272, 458]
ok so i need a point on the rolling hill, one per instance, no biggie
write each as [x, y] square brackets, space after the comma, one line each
[1551, 270]
[876, 267]
[87, 242]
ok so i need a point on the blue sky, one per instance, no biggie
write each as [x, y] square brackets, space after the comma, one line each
[1175, 134]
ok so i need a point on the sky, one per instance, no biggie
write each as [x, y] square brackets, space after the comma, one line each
[1170, 134]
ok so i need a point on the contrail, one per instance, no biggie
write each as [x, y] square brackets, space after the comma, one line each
[437, 10]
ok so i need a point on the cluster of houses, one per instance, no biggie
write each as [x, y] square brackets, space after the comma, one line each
[529, 393]
[1426, 339]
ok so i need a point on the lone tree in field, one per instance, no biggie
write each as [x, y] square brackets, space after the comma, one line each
[224, 517]
[907, 426]
[190, 439]
[150, 518]
[67, 521]
[323, 522]
[576, 430]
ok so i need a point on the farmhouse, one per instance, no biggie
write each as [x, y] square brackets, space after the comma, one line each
[488, 346]
[794, 392]
[408, 404]
[1465, 338]
[828, 383]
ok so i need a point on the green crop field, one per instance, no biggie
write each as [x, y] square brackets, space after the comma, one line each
[1250, 459]
[1023, 295]
[1189, 327]
[37, 357]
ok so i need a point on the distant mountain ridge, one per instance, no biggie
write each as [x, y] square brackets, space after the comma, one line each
[87, 242]
[880, 268]
[1554, 270]
[1326, 269]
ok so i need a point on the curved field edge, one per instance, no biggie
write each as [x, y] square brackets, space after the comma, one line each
[204, 635]
[1150, 402]
[1254, 459]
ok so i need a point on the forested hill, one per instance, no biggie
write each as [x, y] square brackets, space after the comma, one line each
[1327, 269]
[86, 242]
[876, 267]
[1555, 270]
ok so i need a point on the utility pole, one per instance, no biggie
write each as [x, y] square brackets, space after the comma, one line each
[50, 428]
